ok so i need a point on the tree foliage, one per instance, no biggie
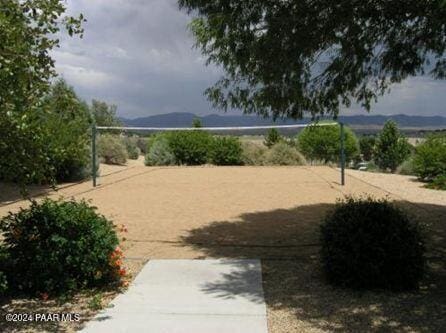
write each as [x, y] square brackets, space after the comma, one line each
[104, 114]
[367, 146]
[430, 158]
[28, 32]
[323, 143]
[392, 147]
[287, 57]
[66, 121]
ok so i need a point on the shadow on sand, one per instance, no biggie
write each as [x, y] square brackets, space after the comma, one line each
[298, 297]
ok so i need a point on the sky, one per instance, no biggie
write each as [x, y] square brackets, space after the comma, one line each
[139, 55]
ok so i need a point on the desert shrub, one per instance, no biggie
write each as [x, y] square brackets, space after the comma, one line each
[190, 147]
[272, 137]
[367, 146]
[131, 146]
[252, 153]
[58, 247]
[141, 143]
[323, 143]
[407, 167]
[369, 243]
[283, 154]
[159, 152]
[392, 147]
[226, 151]
[111, 150]
[430, 158]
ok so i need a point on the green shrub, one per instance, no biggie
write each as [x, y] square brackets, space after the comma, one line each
[58, 247]
[133, 152]
[407, 167]
[323, 143]
[226, 151]
[283, 154]
[272, 137]
[392, 148]
[111, 150]
[4, 260]
[159, 152]
[252, 153]
[367, 146]
[368, 244]
[438, 183]
[430, 158]
[190, 147]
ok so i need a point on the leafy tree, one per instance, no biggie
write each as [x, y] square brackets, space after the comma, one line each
[284, 58]
[366, 146]
[272, 137]
[323, 143]
[392, 147]
[66, 120]
[28, 32]
[104, 114]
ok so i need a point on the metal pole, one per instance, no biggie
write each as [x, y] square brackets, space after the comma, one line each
[342, 154]
[93, 153]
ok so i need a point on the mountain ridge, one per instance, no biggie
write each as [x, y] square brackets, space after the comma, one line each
[184, 119]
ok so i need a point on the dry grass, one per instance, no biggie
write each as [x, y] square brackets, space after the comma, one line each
[272, 213]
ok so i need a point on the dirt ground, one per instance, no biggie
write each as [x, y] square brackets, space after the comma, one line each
[272, 213]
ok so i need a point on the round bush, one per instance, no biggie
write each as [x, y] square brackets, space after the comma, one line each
[132, 148]
[59, 246]
[371, 244]
[190, 147]
[159, 152]
[323, 143]
[430, 158]
[283, 154]
[226, 151]
[111, 149]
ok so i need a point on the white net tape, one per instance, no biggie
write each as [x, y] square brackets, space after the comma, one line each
[239, 128]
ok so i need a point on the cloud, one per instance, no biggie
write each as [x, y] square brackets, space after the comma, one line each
[139, 55]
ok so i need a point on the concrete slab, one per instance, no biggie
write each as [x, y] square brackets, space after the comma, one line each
[189, 296]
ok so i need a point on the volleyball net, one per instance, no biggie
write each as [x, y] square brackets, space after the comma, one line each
[219, 130]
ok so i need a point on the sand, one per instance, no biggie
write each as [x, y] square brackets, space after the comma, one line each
[270, 213]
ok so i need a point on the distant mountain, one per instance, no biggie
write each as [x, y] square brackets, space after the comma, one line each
[216, 120]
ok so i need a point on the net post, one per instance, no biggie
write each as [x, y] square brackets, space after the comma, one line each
[342, 152]
[93, 153]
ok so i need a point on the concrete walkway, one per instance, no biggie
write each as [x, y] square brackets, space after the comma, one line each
[189, 296]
